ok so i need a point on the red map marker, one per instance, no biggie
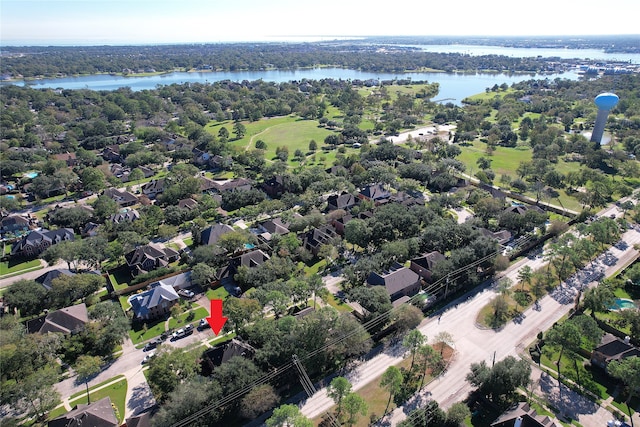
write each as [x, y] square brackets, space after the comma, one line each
[216, 319]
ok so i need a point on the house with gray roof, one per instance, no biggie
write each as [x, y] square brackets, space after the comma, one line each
[47, 278]
[128, 215]
[523, 415]
[211, 234]
[155, 302]
[399, 281]
[96, 414]
[39, 240]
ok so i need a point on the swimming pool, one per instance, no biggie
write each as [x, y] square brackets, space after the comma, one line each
[31, 174]
[622, 304]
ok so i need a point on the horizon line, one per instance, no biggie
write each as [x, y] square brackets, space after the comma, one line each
[288, 39]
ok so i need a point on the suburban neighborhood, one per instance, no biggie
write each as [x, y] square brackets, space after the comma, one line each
[321, 252]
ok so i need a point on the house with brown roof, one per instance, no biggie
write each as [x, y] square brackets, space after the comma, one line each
[222, 353]
[188, 204]
[96, 414]
[612, 348]
[341, 201]
[523, 415]
[275, 186]
[423, 265]
[152, 188]
[68, 158]
[68, 320]
[314, 239]
[123, 198]
[399, 281]
[149, 257]
[111, 153]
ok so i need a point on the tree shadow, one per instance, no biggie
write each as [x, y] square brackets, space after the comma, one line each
[141, 399]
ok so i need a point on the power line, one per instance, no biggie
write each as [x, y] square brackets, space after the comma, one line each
[369, 325]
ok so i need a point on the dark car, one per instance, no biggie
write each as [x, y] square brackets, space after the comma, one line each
[203, 325]
[150, 346]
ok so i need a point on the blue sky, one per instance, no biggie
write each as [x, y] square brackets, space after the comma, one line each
[167, 21]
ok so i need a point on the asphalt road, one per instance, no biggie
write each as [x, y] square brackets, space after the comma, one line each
[474, 344]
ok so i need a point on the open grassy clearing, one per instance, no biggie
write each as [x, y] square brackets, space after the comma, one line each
[504, 160]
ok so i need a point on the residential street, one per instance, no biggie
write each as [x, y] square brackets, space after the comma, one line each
[474, 344]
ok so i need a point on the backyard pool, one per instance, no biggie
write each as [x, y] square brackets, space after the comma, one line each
[622, 304]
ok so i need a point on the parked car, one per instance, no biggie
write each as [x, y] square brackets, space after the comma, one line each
[188, 328]
[180, 333]
[203, 325]
[150, 345]
[148, 357]
[185, 293]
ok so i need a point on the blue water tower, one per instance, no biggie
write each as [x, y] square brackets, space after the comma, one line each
[605, 102]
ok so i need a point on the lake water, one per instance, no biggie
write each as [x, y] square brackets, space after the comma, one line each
[453, 87]
[521, 52]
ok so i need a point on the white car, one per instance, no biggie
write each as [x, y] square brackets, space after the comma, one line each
[148, 357]
[186, 293]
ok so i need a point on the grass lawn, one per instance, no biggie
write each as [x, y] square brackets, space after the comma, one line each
[504, 160]
[315, 268]
[55, 413]
[188, 241]
[153, 330]
[330, 299]
[117, 392]
[16, 266]
[218, 293]
[120, 278]
[199, 313]
[292, 131]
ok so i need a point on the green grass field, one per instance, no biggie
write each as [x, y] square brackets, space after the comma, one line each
[504, 160]
[290, 131]
[18, 266]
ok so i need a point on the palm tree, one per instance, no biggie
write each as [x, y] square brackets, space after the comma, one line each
[524, 276]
